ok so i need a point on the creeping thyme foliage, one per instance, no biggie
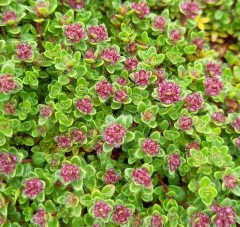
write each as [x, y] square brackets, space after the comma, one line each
[119, 113]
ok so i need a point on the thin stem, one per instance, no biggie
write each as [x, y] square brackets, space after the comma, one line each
[39, 36]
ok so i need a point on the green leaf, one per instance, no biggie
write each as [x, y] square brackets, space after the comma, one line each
[145, 37]
[129, 136]
[108, 190]
[38, 158]
[50, 206]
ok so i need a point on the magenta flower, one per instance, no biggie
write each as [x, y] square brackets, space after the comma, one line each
[160, 23]
[99, 147]
[121, 215]
[97, 33]
[185, 122]
[9, 17]
[122, 81]
[156, 221]
[230, 181]
[142, 78]
[104, 89]
[111, 177]
[174, 161]
[213, 69]
[141, 176]
[76, 4]
[132, 48]
[24, 51]
[63, 141]
[159, 72]
[199, 42]
[213, 86]
[219, 117]
[8, 163]
[7, 83]
[78, 135]
[40, 218]
[141, 8]
[9, 108]
[101, 209]
[85, 105]
[74, 32]
[192, 145]
[70, 173]
[238, 143]
[110, 55]
[175, 35]
[131, 63]
[169, 92]
[120, 96]
[33, 187]
[236, 123]
[41, 8]
[191, 9]
[45, 111]
[194, 102]
[225, 216]
[114, 134]
[200, 219]
[150, 147]
[89, 54]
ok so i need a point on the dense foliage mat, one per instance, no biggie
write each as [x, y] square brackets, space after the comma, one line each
[119, 113]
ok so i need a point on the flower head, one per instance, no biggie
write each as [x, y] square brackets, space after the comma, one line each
[9, 17]
[159, 72]
[169, 92]
[200, 219]
[219, 117]
[213, 86]
[76, 4]
[120, 96]
[141, 8]
[40, 218]
[24, 51]
[174, 161]
[141, 176]
[70, 173]
[99, 147]
[74, 32]
[101, 209]
[45, 111]
[110, 55]
[90, 55]
[104, 89]
[185, 122]
[8, 163]
[236, 123]
[63, 141]
[78, 136]
[131, 63]
[97, 33]
[121, 215]
[122, 80]
[150, 147]
[111, 177]
[85, 105]
[190, 9]
[160, 23]
[199, 42]
[156, 221]
[230, 181]
[192, 145]
[142, 78]
[41, 8]
[194, 102]
[9, 108]
[33, 187]
[132, 48]
[213, 69]
[175, 35]
[7, 83]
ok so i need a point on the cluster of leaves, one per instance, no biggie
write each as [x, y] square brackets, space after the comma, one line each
[117, 113]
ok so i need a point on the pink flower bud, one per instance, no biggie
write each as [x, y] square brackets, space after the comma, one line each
[199, 42]
[238, 143]
[141, 8]
[40, 218]
[141, 176]
[150, 147]
[97, 33]
[213, 69]
[9, 108]
[131, 63]
[45, 111]
[114, 134]
[122, 81]
[174, 162]
[8, 163]
[156, 221]
[9, 17]
[232, 105]
[111, 177]
[70, 173]
[85, 105]
[159, 72]
[169, 92]
[7, 83]
[78, 136]
[192, 145]
[24, 51]
[41, 8]
[99, 147]
[194, 102]
[236, 123]
[76, 4]
[120, 96]
[121, 215]
[33, 187]
[200, 219]
[185, 122]
[101, 209]
[63, 141]
[132, 48]
[142, 78]
[175, 35]
[90, 55]
[219, 117]
[160, 23]
[74, 32]
[110, 55]
[104, 89]
[230, 181]
[213, 86]
[190, 9]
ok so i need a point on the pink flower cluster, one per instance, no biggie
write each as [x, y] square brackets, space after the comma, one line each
[45, 111]
[9, 108]
[7, 83]
[121, 215]
[213, 69]
[24, 51]
[120, 96]
[110, 55]
[70, 173]
[101, 209]
[219, 117]
[159, 72]
[169, 92]
[78, 136]
[89, 54]
[156, 221]
[200, 219]
[194, 102]
[104, 89]
[131, 63]
[76, 4]
[114, 134]
[141, 8]
[85, 105]
[191, 9]
[63, 141]
[199, 42]
[132, 48]
[74, 32]
[160, 23]
[111, 177]
[141, 176]
[122, 81]
[236, 123]
[225, 216]
[230, 181]
[33, 187]
[150, 147]
[99, 147]
[175, 35]
[97, 33]
[174, 161]
[185, 122]
[193, 145]
[40, 218]
[9, 17]
[142, 78]
[213, 86]
[8, 163]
